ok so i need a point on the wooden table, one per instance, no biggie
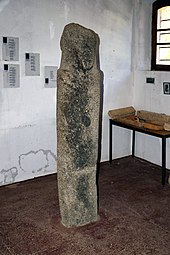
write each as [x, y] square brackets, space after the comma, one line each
[160, 134]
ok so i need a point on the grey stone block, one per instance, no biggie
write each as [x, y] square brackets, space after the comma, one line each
[78, 106]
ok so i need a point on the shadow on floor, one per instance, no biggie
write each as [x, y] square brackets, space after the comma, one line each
[134, 215]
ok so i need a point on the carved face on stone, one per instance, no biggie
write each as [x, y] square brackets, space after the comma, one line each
[81, 50]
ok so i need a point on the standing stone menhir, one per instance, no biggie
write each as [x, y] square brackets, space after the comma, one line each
[78, 106]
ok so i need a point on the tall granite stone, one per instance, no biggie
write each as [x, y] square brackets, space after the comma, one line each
[78, 104]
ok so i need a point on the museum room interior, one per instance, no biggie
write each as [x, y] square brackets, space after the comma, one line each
[133, 205]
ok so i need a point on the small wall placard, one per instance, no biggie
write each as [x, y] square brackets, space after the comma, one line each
[11, 76]
[10, 48]
[32, 64]
[50, 76]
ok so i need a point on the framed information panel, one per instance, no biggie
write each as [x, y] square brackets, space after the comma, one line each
[10, 48]
[11, 76]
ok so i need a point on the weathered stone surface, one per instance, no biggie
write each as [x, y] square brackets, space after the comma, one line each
[78, 102]
[121, 112]
[153, 117]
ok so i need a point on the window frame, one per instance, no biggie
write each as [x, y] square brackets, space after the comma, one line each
[155, 7]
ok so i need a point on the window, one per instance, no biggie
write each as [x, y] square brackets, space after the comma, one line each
[161, 35]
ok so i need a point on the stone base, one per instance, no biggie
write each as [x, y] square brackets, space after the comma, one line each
[78, 199]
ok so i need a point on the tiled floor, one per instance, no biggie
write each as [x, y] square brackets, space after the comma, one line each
[134, 215]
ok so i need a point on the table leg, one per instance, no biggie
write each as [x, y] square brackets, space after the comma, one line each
[163, 160]
[110, 141]
[133, 143]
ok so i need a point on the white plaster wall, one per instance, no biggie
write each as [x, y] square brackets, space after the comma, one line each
[28, 113]
[148, 97]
